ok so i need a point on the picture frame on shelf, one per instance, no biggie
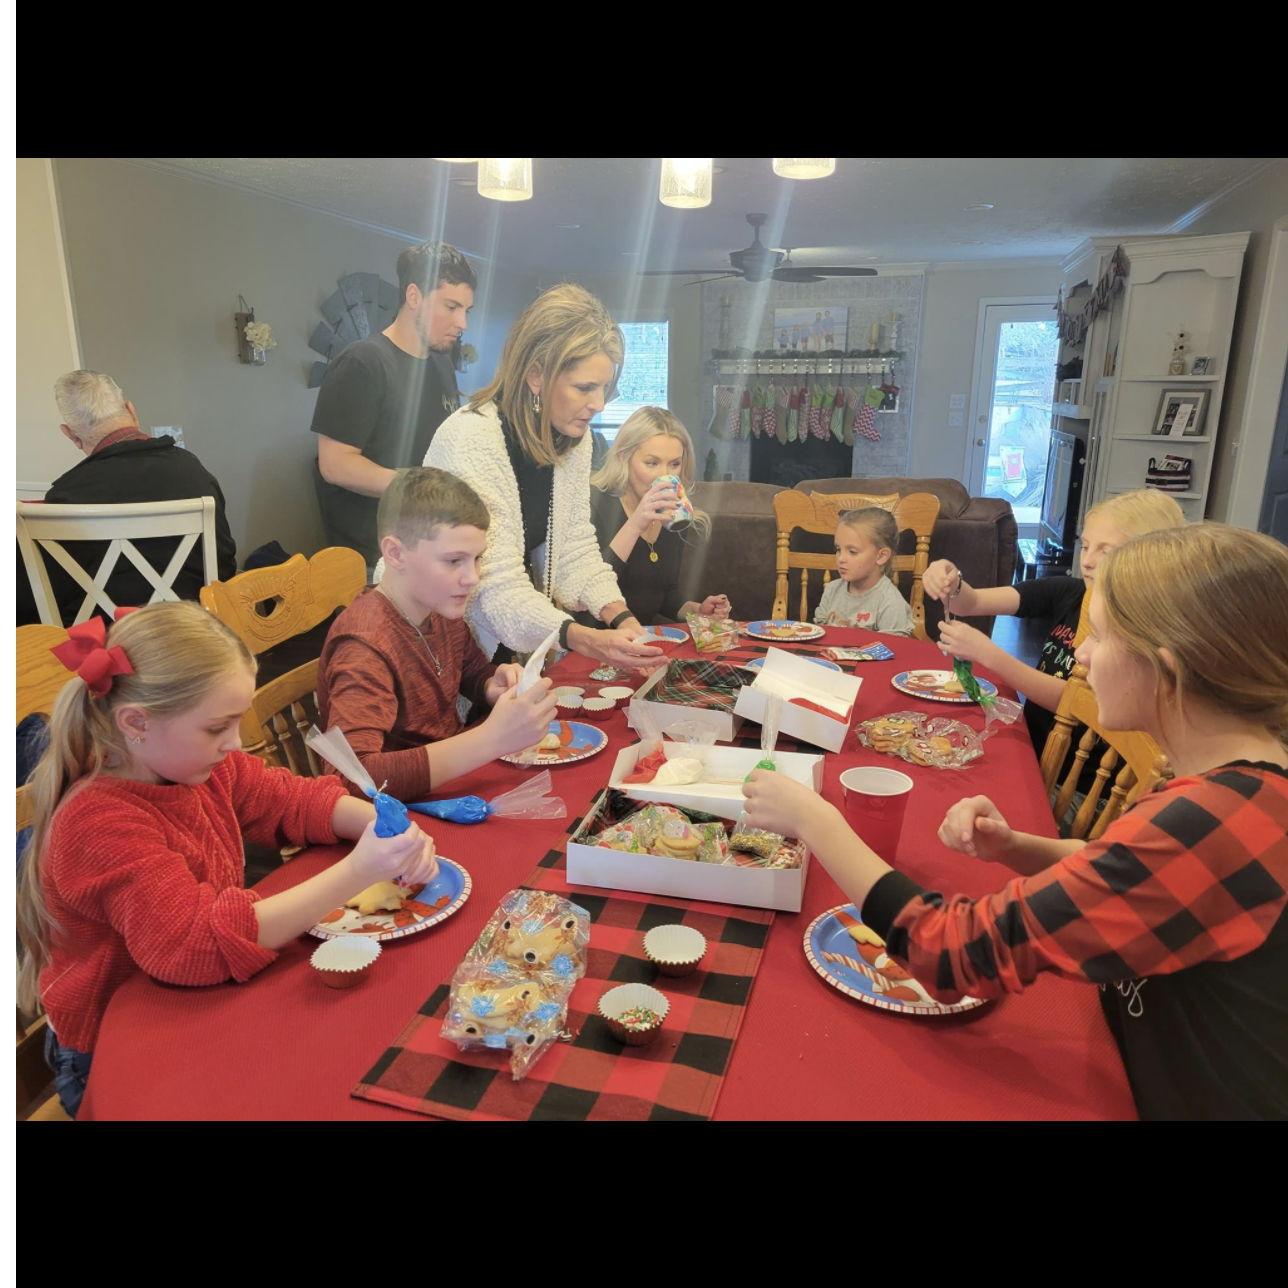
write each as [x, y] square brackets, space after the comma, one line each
[1201, 367]
[1172, 422]
[815, 329]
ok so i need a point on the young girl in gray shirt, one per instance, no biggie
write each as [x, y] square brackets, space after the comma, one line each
[863, 593]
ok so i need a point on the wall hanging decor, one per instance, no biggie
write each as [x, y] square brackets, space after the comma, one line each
[363, 305]
[254, 339]
[1073, 326]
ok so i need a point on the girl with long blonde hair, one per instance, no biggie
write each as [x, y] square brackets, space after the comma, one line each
[1056, 599]
[632, 505]
[1177, 910]
[140, 803]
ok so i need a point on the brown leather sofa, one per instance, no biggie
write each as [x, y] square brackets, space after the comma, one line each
[978, 534]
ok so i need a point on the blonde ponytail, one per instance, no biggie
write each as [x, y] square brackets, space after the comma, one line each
[179, 652]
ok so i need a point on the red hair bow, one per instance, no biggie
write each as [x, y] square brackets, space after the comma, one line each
[86, 654]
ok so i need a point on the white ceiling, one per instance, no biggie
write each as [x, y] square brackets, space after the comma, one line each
[882, 210]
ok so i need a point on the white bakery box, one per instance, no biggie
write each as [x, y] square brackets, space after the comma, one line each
[793, 677]
[780, 888]
[724, 724]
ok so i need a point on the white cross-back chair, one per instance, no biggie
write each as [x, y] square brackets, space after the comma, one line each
[46, 527]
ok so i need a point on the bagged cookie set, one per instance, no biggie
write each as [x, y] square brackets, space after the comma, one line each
[687, 836]
[511, 990]
[923, 740]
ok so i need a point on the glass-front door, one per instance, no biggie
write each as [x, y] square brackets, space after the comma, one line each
[1015, 374]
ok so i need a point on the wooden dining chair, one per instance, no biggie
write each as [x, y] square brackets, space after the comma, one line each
[42, 530]
[1133, 759]
[280, 715]
[817, 512]
[267, 606]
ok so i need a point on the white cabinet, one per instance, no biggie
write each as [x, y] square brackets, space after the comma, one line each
[1175, 284]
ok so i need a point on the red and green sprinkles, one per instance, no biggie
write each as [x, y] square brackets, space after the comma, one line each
[639, 1018]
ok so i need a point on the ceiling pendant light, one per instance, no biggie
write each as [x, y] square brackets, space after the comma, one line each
[804, 167]
[505, 178]
[686, 182]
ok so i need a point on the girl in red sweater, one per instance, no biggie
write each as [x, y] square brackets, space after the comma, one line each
[141, 803]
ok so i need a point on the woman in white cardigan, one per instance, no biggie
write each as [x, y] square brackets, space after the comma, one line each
[523, 444]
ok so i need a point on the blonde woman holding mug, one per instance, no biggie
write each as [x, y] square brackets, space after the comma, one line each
[632, 503]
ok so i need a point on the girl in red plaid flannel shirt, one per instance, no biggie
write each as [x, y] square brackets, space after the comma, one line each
[140, 802]
[1177, 910]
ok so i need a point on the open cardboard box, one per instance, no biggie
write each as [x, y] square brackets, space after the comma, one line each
[597, 865]
[794, 677]
[725, 724]
[730, 764]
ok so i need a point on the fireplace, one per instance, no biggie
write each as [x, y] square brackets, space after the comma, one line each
[786, 464]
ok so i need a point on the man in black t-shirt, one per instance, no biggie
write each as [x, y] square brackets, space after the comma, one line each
[383, 397]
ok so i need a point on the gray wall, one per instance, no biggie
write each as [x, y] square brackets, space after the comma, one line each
[156, 262]
[1253, 207]
[947, 361]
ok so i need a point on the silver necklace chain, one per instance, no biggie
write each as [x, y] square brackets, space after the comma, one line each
[550, 536]
[433, 657]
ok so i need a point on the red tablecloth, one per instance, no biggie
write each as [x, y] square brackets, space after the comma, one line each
[283, 1046]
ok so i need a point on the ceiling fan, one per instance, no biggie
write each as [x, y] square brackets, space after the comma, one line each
[758, 262]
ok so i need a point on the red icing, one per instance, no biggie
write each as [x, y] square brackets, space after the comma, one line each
[823, 711]
[646, 769]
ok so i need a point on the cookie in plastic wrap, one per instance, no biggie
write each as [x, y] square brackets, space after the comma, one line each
[511, 990]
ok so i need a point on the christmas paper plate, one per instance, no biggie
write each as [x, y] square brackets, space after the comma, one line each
[423, 908]
[938, 686]
[577, 741]
[757, 662]
[784, 631]
[852, 958]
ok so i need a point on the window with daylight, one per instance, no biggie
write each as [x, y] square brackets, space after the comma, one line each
[643, 382]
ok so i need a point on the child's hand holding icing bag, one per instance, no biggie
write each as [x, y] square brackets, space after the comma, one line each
[391, 815]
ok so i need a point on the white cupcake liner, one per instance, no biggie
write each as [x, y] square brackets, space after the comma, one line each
[620, 999]
[347, 957]
[675, 950]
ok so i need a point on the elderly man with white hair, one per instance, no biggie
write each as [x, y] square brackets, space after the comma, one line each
[121, 464]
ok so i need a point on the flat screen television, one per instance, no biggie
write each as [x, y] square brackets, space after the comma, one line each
[1058, 525]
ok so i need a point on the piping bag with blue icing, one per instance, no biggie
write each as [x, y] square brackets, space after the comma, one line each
[333, 747]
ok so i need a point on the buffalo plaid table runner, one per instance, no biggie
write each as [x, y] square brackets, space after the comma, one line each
[594, 1077]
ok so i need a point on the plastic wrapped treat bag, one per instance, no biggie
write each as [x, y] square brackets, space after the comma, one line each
[711, 634]
[511, 990]
[683, 506]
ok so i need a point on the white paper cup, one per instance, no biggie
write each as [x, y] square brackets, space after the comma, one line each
[567, 691]
[343, 962]
[675, 950]
[620, 999]
[618, 693]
